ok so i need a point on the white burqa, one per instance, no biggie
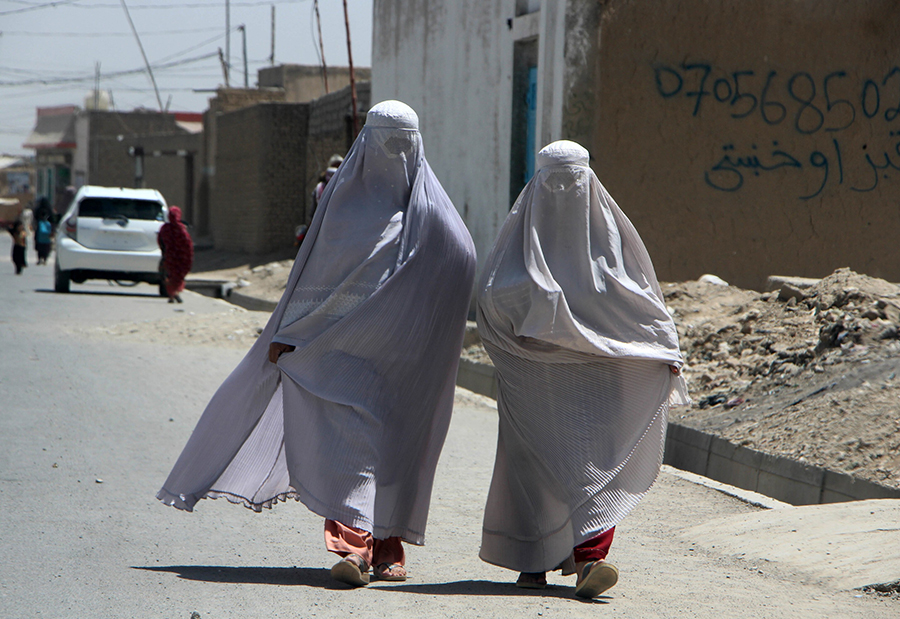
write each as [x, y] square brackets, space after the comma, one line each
[573, 318]
[351, 422]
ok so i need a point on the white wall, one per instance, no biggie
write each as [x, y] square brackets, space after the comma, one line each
[452, 62]
[80, 163]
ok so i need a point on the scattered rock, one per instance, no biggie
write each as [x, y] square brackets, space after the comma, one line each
[713, 279]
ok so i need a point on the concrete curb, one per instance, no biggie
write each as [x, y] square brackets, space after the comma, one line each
[250, 303]
[227, 290]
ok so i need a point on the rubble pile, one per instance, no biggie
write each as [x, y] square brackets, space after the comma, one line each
[809, 372]
[736, 339]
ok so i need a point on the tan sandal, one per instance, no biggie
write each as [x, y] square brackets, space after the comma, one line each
[352, 570]
[532, 580]
[595, 578]
[391, 572]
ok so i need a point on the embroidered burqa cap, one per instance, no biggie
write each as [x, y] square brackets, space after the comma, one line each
[574, 320]
[352, 422]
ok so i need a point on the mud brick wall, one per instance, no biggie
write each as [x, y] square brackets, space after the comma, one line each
[331, 131]
[259, 196]
[111, 134]
[168, 173]
[744, 137]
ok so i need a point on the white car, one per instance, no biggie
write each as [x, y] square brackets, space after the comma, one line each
[110, 233]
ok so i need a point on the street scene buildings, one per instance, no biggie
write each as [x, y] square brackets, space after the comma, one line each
[754, 145]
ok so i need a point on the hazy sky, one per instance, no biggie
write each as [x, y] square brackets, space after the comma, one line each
[48, 50]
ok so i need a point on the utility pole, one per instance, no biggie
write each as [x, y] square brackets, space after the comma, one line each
[272, 55]
[243, 30]
[352, 80]
[146, 62]
[96, 85]
[227, 41]
[321, 46]
[224, 67]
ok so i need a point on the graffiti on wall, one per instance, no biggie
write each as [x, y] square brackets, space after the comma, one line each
[831, 106]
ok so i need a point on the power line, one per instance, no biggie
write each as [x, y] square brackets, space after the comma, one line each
[83, 78]
[194, 47]
[75, 4]
[105, 34]
[35, 7]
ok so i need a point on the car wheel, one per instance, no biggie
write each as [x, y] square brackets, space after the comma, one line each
[60, 278]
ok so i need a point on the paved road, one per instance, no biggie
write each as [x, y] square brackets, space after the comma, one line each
[90, 426]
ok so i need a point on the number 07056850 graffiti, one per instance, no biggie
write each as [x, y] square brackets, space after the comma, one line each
[809, 104]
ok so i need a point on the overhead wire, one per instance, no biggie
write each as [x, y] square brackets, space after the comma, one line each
[83, 78]
[185, 5]
[89, 35]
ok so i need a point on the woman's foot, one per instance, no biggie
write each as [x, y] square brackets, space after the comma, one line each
[352, 570]
[595, 577]
[171, 300]
[532, 580]
[178, 298]
[393, 572]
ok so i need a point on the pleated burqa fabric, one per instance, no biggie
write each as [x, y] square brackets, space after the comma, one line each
[353, 420]
[570, 311]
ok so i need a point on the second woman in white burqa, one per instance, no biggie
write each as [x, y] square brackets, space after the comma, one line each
[345, 400]
[587, 362]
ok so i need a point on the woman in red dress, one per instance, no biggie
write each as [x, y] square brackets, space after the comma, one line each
[178, 253]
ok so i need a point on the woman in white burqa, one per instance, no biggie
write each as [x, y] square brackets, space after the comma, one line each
[587, 360]
[344, 401]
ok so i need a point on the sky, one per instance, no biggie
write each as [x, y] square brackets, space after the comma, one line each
[49, 50]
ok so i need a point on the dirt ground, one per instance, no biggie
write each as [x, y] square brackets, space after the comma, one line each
[810, 373]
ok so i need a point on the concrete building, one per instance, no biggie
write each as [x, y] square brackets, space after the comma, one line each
[217, 206]
[96, 146]
[110, 144]
[267, 161]
[302, 83]
[742, 137]
[53, 140]
[16, 186]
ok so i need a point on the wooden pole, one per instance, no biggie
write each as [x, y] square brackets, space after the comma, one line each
[321, 45]
[352, 80]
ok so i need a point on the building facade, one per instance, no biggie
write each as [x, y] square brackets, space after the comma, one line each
[742, 137]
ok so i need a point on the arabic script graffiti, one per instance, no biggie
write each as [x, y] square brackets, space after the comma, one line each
[730, 171]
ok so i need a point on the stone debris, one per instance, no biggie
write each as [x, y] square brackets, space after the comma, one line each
[806, 371]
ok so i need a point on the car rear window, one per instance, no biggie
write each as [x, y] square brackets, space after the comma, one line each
[116, 207]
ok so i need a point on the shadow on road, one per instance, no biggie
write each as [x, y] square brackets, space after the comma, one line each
[307, 576]
[102, 293]
[321, 577]
[487, 588]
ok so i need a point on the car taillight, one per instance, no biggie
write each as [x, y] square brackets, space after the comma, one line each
[72, 228]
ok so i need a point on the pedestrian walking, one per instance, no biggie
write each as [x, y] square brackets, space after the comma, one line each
[178, 253]
[326, 175]
[17, 230]
[587, 361]
[344, 401]
[43, 236]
